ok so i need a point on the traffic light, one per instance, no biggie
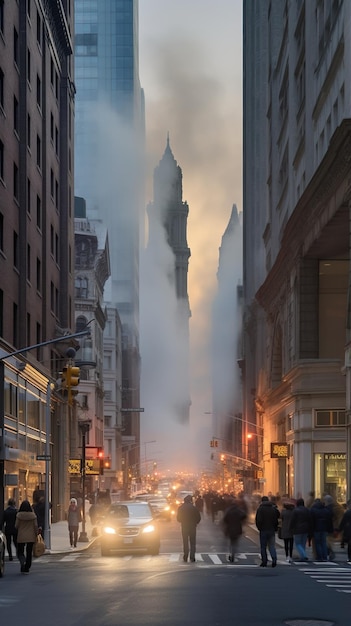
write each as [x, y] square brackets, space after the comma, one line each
[70, 378]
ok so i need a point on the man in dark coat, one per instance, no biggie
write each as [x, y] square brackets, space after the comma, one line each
[189, 517]
[232, 521]
[267, 516]
[322, 526]
[301, 527]
[8, 524]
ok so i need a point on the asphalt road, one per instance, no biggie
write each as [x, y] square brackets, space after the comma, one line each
[85, 589]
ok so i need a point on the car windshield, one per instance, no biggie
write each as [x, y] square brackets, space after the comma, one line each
[137, 509]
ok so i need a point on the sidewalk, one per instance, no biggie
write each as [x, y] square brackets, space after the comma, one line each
[60, 538]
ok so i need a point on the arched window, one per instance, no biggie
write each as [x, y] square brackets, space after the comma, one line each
[81, 323]
[277, 356]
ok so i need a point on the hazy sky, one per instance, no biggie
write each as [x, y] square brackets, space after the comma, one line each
[191, 71]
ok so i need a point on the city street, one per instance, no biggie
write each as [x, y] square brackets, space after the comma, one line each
[83, 588]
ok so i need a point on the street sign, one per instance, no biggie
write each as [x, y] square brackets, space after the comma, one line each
[139, 410]
[43, 457]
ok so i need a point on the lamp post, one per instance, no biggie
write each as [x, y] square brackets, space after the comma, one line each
[84, 426]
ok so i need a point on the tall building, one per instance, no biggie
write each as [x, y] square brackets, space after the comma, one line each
[296, 241]
[227, 424]
[109, 136]
[168, 215]
[36, 230]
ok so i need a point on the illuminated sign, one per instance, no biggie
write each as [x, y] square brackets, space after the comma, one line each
[279, 450]
[74, 466]
[92, 467]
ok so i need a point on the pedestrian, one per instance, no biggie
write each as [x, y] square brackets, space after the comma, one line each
[337, 512]
[345, 529]
[199, 503]
[8, 523]
[39, 510]
[189, 517]
[73, 518]
[232, 521]
[286, 533]
[300, 526]
[322, 526]
[266, 519]
[27, 531]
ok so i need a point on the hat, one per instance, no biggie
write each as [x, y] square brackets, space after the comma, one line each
[73, 501]
[188, 498]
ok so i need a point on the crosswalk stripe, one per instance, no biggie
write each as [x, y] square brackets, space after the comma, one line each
[215, 558]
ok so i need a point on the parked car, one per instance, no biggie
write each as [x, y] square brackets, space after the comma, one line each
[130, 526]
[162, 509]
[2, 553]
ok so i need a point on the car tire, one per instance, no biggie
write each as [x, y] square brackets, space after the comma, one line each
[105, 552]
[2, 561]
[155, 550]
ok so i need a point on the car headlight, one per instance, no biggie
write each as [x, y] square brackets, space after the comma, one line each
[167, 508]
[109, 531]
[149, 529]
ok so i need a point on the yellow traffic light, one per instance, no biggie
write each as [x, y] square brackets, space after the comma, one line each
[73, 373]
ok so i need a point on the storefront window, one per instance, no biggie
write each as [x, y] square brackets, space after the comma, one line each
[330, 475]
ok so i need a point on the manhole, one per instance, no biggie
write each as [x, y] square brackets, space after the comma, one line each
[309, 622]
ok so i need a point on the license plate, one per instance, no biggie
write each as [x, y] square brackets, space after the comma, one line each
[128, 540]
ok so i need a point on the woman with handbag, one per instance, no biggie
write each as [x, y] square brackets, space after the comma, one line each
[285, 532]
[27, 530]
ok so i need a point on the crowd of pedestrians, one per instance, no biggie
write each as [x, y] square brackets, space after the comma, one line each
[316, 524]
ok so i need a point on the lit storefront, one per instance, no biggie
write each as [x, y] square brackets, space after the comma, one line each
[24, 431]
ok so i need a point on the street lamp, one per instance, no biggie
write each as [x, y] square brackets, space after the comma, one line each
[84, 426]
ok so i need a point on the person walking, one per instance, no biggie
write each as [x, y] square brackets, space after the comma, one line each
[322, 526]
[73, 519]
[286, 533]
[232, 521]
[27, 531]
[39, 510]
[337, 512]
[345, 529]
[8, 523]
[300, 526]
[189, 517]
[266, 519]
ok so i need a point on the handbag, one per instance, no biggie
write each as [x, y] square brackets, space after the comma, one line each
[39, 546]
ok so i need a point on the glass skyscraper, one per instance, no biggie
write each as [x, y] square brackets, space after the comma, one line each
[109, 139]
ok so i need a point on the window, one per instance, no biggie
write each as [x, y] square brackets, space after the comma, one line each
[1, 160]
[28, 329]
[38, 212]
[28, 130]
[39, 30]
[28, 262]
[1, 232]
[81, 287]
[2, 17]
[52, 127]
[28, 7]
[52, 240]
[29, 193]
[15, 323]
[38, 340]
[52, 297]
[330, 418]
[1, 88]
[15, 250]
[52, 183]
[28, 66]
[15, 47]
[38, 275]
[15, 182]
[38, 91]
[1, 312]
[38, 151]
[15, 115]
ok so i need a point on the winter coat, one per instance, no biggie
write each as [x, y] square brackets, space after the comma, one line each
[267, 516]
[39, 510]
[188, 515]
[9, 520]
[232, 521]
[345, 526]
[73, 516]
[27, 527]
[286, 516]
[322, 518]
[301, 523]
